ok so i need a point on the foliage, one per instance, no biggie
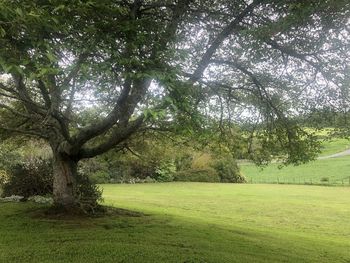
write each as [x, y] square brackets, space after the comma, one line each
[87, 76]
[12, 198]
[100, 177]
[148, 157]
[87, 195]
[184, 161]
[201, 160]
[140, 168]
[165, 172]
[41, 199]
[197, 175]
[4, 178]
[9, 156]
[32, 177]
[228, 171]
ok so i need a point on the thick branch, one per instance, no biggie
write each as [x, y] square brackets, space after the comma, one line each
[178, 12]
[8, 96]
[118, 135]
[24, 96]
[293, 53]
[260, 87]
[122, 111]
[44, 93]
[24, 132]
[10, 90]
[74, 72]
[14, 111]
[224, 34]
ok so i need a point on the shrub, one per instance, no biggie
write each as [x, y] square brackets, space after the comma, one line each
[165, 172]
[33, 177]
[123, 179]
[140, 169]
[228, 171]
[149, 180]
[201, 161]
[12, 198]
[100, 177]
[87, 194]
[324, 179]
[183, 162]
[41, 199]
[9, 155]
[4, 178]
[197, 175]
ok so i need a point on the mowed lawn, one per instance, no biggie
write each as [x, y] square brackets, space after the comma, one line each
[189, 222]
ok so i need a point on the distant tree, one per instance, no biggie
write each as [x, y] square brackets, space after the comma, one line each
[87, 75]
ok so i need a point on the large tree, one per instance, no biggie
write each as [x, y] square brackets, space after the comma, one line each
[87, 75]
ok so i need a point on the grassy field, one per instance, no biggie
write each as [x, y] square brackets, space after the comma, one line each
[332, 171]
[189, 222]
[335, 170]
[334, 146]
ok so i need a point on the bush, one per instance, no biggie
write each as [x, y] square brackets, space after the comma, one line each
[197, 175]
[87, 194]
[4, 178]
[165, 172]
[183, 162]
[148, 180]
[228, 171]
[100, 177]
[41, 199]
[29, 178]
[12, 198]
[324, 179]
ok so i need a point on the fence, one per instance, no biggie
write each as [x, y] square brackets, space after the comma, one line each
[301, 181]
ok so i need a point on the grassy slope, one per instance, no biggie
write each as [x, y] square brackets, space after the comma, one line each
[334, 146]
[191, 222]
[337, 170]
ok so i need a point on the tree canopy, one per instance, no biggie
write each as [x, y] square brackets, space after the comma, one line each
[87, 75]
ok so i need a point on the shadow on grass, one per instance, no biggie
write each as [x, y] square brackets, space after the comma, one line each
[53, 213]
[127, 236]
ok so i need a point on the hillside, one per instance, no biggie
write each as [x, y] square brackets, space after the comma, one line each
[328, 171]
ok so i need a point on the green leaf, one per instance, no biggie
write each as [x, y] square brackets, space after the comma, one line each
[51, 57]
[2, 32]
[33, 14]
[19, 11]
[60, 7]
[54, 19]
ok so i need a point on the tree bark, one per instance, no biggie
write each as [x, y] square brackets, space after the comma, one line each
[64, 182]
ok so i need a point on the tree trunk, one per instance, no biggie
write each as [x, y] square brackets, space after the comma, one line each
[64, 172]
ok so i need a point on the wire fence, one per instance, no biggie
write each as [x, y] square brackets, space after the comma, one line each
[301, 181]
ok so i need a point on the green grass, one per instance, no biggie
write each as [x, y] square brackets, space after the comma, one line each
[334, 146]
[337, 170]
[190, 222]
